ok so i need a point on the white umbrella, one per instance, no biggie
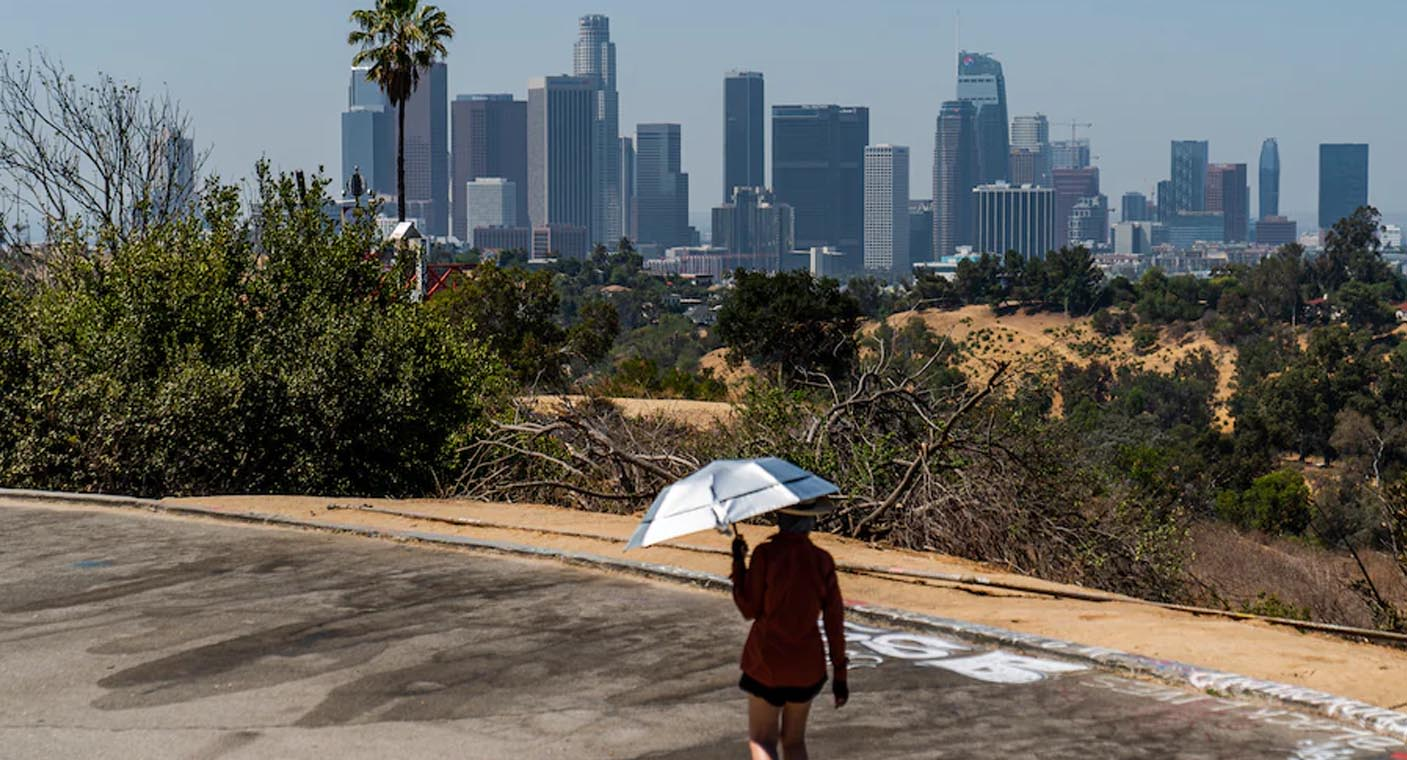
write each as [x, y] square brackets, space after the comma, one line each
[725, 492]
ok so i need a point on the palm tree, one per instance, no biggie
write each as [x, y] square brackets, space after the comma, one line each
[399, 39]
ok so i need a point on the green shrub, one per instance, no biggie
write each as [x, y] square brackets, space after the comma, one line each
[1275, 503]
[236, 353]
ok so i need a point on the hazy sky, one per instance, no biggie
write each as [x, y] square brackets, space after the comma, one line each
[266, 77]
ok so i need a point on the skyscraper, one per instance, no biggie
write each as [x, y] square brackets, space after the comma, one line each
[1089, 221]
[488, 202]
[488, 138]
[981, 83]
[754, 228]
[661, 186]
[1343, 181]
[1071, 186]
[561, 114]
[954, 176]
[1189, 176]
[920, 230]
[818, 158]
[1134, 208]
[1020, 219]
[627, 187]
[594, 56]
[887, 209]
[1166, 212]
[742, 131]
[427, 150]
[1030, 151]
[1228, 193]
[1069, 154]
[1269, 179]
[368, 136]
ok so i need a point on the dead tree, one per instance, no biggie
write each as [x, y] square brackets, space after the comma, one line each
[102, 154]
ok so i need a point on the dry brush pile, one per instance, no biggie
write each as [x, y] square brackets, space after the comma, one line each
[925, 457]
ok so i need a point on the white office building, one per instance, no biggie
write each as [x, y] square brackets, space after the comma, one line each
[1011, 218]
[887, 209]
[490, 202]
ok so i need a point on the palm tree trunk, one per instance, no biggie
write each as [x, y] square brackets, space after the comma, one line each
[400, 161]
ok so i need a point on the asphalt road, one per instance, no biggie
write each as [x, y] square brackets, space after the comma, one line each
[128, 636]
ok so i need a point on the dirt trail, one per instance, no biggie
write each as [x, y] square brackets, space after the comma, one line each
[1367, 672]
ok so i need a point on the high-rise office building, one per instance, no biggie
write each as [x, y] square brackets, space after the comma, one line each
[954, 176]
[1228, 193]
[368, 136]
[1276, 231]
[561, 114]
[1165, 201]
[489, 202]
[754, 228]
[1269, 179]
[175, 187]
[981, 83]
[627, 187]
[818, 160]
[427, 150]
[488, 138]
[1189, 176]
[920, 231]
[743, 131]
[1069, 154]
[1089, 221]
[1011, 218]
[661, 187]
[887, 209]
[594, 56]
[1071, 186]
[1030, 132]
[1343, 181]
[1134, 208]
[1030, 151]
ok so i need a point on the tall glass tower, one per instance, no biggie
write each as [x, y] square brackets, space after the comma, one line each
[1269, 178]
[818, 168]
[742, 132]
[981, 83]
[1189, 176]
[954, 176]
[1343, 181]
[595, 56]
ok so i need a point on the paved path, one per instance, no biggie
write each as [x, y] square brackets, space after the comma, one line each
[130, 636]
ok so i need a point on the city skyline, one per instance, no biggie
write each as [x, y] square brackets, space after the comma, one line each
[1301, 99]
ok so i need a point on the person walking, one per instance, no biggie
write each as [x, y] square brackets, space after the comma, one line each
[790, 584]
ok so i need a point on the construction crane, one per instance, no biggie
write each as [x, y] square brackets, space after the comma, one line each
[1073, 126]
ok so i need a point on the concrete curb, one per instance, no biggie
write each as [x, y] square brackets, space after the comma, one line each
[1371, 717]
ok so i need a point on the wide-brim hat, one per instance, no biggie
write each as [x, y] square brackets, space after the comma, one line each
[813, 508]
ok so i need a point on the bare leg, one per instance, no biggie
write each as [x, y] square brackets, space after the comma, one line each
[762, 720]
[794, 730]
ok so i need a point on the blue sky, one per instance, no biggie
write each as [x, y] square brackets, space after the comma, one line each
[268, 78]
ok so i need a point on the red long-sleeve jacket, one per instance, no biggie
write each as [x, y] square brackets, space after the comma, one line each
[790, 584]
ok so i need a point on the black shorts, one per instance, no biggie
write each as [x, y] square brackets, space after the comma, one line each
[778, 696]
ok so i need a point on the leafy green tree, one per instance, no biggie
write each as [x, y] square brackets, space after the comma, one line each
[592, 337]
[790, 320]
[980, 280]
[515, 314]
[1073, 282]
[1362, 306]
[399, 39]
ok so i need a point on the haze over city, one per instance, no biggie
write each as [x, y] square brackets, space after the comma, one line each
[265, 78]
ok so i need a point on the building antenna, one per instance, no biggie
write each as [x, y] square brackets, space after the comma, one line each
[957, 36]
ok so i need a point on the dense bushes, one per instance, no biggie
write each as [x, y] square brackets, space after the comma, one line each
[234, 353]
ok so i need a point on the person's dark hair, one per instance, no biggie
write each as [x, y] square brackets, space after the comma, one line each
[795, 523]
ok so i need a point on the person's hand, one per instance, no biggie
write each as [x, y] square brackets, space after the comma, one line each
[739, 548]
[841, 689]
